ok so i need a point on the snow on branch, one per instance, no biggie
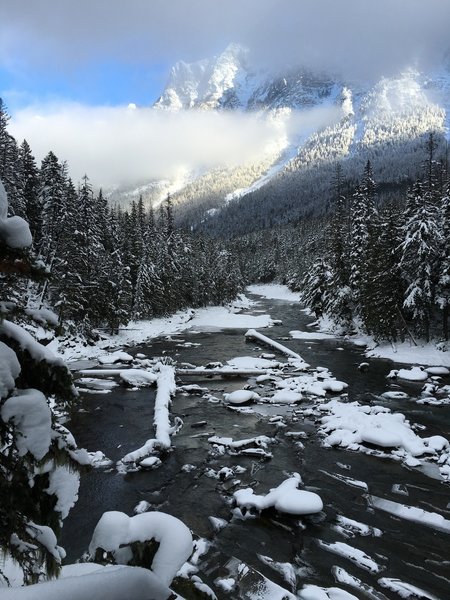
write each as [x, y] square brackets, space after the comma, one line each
[14, 231]
[116, 529]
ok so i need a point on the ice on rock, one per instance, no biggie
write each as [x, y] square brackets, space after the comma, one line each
[141, 507]
[285, 498]
[241, 397]
[116, 529]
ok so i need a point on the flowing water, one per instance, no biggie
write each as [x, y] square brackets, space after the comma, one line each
[121, 421]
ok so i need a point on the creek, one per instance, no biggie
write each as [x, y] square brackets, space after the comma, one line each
[120, 421]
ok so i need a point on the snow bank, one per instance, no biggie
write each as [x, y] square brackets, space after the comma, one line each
[274, 291]
[311, 335]
[220, 317]
[138, 332]
[116, 529]
[285, 498]
[102, 583]
[424, 354]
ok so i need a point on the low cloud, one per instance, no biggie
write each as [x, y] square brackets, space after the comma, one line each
[126, 145]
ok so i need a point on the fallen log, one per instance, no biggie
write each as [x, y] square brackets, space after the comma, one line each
[225, 372]
[252, 334]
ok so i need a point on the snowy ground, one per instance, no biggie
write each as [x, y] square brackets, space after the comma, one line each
[137, 332]
[274, 291]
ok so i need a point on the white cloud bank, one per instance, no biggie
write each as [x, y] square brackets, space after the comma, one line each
[126, 145]
[355, 37]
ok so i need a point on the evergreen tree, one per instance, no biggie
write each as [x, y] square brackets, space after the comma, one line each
[29, 175]
[443, 286]
[420, 246]
[37, 453]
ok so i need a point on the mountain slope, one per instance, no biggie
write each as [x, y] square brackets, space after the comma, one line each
[385, 122]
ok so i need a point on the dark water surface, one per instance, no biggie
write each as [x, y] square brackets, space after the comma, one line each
[121, 421]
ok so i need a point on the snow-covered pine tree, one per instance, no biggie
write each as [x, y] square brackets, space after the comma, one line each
[9, 166]
[419, 257]
[316, 287]
[337, 236]
[29, 175]
[38, 458]
[383, 292]
[443, 285]
[363, 214]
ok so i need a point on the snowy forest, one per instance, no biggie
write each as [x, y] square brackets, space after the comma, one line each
[103, 265]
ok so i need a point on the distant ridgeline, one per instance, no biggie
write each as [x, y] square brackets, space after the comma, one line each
[105, 265]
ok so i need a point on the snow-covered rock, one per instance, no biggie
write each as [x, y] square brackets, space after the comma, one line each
[241, 397]
[286, 498]
[115, 357]
[412, 374]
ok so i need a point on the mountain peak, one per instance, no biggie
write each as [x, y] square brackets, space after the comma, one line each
[207, 83]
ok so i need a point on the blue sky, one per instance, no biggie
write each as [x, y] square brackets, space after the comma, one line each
[96, 83]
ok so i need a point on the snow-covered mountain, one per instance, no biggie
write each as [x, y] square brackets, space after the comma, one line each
[229, 82]
[385, 121]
